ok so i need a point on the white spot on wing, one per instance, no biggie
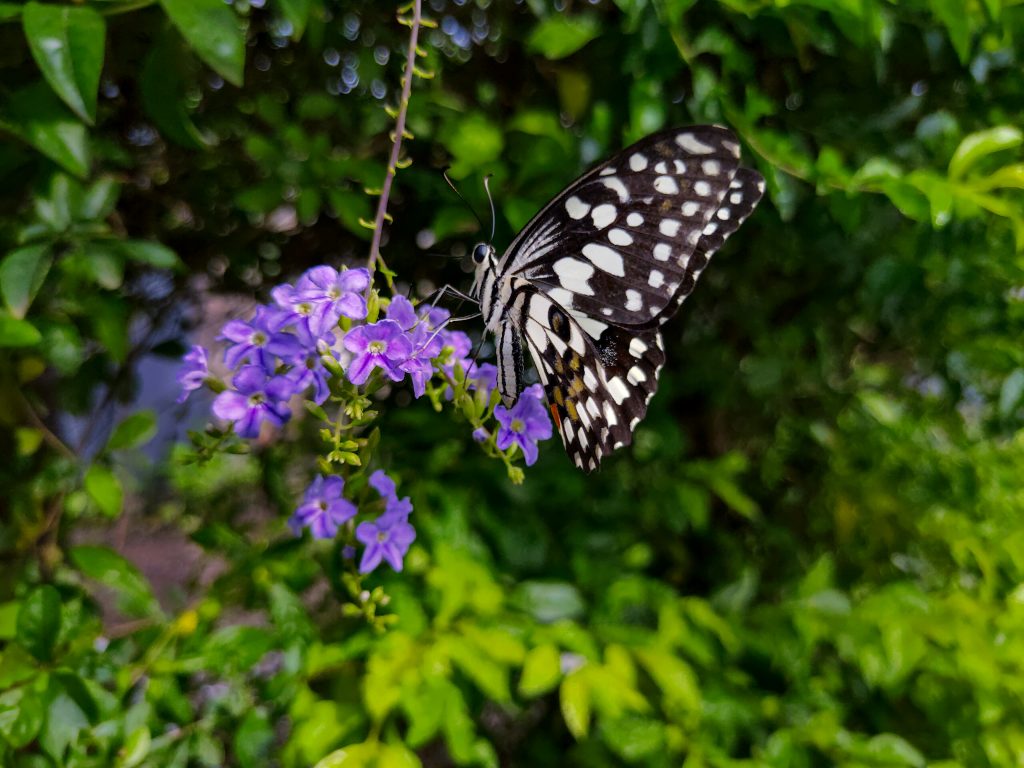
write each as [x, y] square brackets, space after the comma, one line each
[618, 187]
[591, 381]
[576, 208]
[593, 328]
[618, 390]
[662, 251]
[637, 162]
[637, 347]
[604, 215]
[656, 279]
[702, 188]
[666, 185]
[691, 143]
[669, 227]
[636, 375]
[661, 167]
[607, 171]
[633, 300]
[711, 228]
[691, 208]
[634, 219]
[620, 237]
[736, 198]
[561, 297]
[723, 214]
[711, 167]
[605, 258]
[574, 275]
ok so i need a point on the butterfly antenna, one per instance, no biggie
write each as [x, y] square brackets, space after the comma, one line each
[494, 219]
[463, 199]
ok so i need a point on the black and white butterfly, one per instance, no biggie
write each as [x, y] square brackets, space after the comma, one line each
[589, 281]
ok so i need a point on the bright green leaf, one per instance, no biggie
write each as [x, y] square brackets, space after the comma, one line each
[560, 35]
[104, 489]
[67, 43]
[574, 696]
[138, 429]
[541, 671]
[135, 749]
[214, 32]
[18, 333]
[22, 273]
[978, 145]
[146, 252]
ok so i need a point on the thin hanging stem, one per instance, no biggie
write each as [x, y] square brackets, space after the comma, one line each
[403, 107]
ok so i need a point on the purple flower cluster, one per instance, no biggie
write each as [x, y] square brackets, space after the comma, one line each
[280, 352]
[387, 539]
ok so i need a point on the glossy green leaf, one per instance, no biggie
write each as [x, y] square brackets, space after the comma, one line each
[215, 33]
[152, 254]
[110, 569]
[163, 84]
[22, 273]
[136, 430]
[39, 622]
[541, 671]
[104, 489]
[18, 333]
[574, 698]
[36, 116]
[104, 264]
[21, 716]
[135, 749]
[561, 35]
[67, 42]
[981, 144]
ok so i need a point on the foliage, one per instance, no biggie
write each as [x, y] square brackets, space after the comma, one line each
[812, 555]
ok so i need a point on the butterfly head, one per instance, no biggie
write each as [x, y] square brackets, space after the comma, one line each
[484, 261]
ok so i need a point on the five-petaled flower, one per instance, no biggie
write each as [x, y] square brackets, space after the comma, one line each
[381, 345]
[386, 538]
[333, 294]
[194, 372]
[524, 423]
[256, 398]
[258, 341]
[324, 509]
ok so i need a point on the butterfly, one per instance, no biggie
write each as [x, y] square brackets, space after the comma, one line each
[587, 284]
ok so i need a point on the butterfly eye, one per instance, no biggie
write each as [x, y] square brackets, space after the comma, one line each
[480, 253]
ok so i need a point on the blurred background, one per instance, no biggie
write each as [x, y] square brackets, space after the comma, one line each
[812, 555]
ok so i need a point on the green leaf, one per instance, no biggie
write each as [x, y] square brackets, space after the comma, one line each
[104, 488]
[36, 116]
[977, 145]
[65, 719]
[559, 36]
[890, 749]
[674, 676]
[138, 429]
[67, 43]
[110, 569]
[163, 89]
[18, 333]
[22, 273]
[253, 739]
[214, 32]
[21, 716]
[39, 622]
[1012, 393]
[542, 670]
[574, 696]
[99, 200]
[16, 665]
[135, 749]
[549, 601]
[146, 252]
[105, 265]
[489, 676]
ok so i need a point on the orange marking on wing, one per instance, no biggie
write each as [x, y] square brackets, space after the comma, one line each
[554, 417]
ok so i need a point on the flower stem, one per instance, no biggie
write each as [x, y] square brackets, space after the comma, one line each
[403, 108]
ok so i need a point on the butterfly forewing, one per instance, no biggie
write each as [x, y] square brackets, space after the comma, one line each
[615, 245]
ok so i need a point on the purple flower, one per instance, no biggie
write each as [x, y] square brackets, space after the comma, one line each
[292, 309]
[380, 345]
[483, 377]
[333, 294]
[193, 373]
[480, 435]
[402, 312]
[256, 398]
[323, 507]
[385, 486]
[258, 341]
[524, 423]
[387, 538]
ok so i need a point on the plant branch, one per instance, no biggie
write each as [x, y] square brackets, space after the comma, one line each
[403, 108]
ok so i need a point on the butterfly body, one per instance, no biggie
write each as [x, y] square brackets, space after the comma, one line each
[589, 281]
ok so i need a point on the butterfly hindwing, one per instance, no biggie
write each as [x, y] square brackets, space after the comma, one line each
[597, 388]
